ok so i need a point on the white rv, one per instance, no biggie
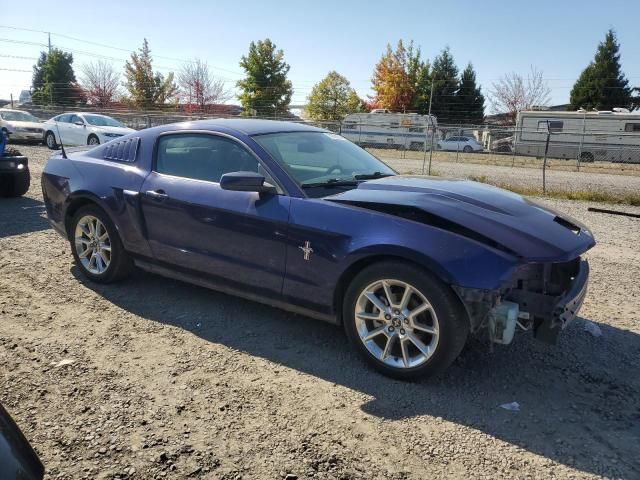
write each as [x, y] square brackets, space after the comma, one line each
[381, 129]
[612, 136]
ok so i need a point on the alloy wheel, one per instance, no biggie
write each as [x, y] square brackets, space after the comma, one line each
[93, 244]
[396, 323]
[94, 141]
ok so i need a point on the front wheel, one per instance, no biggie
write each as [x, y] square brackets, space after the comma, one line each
[467, 149]
[93, 141]
[403, 321]
[96, 246]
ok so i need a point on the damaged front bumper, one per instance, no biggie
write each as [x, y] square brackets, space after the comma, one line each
[543, 298]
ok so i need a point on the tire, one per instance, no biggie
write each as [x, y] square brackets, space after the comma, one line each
[467, 149]
[93, 140]
[15, 184]
[586, 157]
[50, 141]
[446, 319]
[117, 264]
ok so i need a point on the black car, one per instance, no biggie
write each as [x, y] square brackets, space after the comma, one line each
[14, 170]
[18, 461]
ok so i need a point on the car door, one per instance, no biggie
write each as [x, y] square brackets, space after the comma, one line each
[451, 144]
[77, 130]
[234, 238]
[61, 128]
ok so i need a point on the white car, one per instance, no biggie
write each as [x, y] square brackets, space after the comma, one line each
[460, 144]
[22, 125]
[78, 128]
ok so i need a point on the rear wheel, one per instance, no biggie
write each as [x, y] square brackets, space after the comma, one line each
[403, 321]
[96, 246]
[50, 140]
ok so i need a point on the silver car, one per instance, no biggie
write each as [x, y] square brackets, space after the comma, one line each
[460, 144]
[24, 126]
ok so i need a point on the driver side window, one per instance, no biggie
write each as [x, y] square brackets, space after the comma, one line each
[202, 157]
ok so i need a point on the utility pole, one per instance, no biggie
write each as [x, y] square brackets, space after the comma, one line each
[49, 34]
[12, 100]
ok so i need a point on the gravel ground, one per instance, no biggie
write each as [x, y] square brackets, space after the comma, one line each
[527, 177]
[168, 380]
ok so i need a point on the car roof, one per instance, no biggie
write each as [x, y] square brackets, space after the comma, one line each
[12, 110]
[251, 126]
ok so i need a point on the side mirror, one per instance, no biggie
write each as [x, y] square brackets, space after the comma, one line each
[246, 182]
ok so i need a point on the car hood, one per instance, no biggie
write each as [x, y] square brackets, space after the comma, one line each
[481, 212]
[25, 124]
[118, 130]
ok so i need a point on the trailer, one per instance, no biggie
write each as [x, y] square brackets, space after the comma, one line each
[612, 136]
[382, 129]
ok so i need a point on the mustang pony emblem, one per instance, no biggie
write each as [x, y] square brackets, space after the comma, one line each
[306, 248]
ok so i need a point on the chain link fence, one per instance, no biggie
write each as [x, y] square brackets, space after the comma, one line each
[539, 157]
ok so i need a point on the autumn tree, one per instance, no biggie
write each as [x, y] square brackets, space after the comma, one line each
[100, 82]
[469, 99]
[602, 85]
[332, 98]
[444, 75]
[54, 81]
[200, 87]
[391, 81]
[147, 88]
[514, 93]
[265, 90]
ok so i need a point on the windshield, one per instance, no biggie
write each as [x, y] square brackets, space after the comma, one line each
[314, 158]
[102, 121]
[18, 117]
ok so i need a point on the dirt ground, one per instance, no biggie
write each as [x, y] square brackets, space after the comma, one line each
[167, 380]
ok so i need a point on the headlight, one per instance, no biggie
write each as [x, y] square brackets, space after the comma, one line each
[112, 135]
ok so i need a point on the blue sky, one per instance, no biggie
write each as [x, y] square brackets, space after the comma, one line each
[558, 37]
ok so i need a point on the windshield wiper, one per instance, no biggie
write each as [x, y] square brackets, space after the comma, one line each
[370, 176]
[332, 182]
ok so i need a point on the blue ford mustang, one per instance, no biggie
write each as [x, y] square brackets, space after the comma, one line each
[300, 218]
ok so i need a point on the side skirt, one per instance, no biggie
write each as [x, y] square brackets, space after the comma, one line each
[204, 282]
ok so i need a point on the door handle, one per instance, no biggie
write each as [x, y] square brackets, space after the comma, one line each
[157, 194]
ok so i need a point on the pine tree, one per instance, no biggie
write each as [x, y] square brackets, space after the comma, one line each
[469, 99]
[146, 88]
[54, 81]
[265, 90]
[444, 74]
[602, 85]
[332, 98]
[422, 89]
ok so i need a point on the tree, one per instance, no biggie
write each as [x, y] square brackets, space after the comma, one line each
[332, 98]
[200, 87]
[513, 93]
[602, 85]
[469, 99]
[265, 90]
[54, 81]
[444, 75]
[146, 88]
[422, 89]
[100, 82]
[391, 80]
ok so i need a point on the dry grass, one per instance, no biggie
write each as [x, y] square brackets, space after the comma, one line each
[629, 198]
